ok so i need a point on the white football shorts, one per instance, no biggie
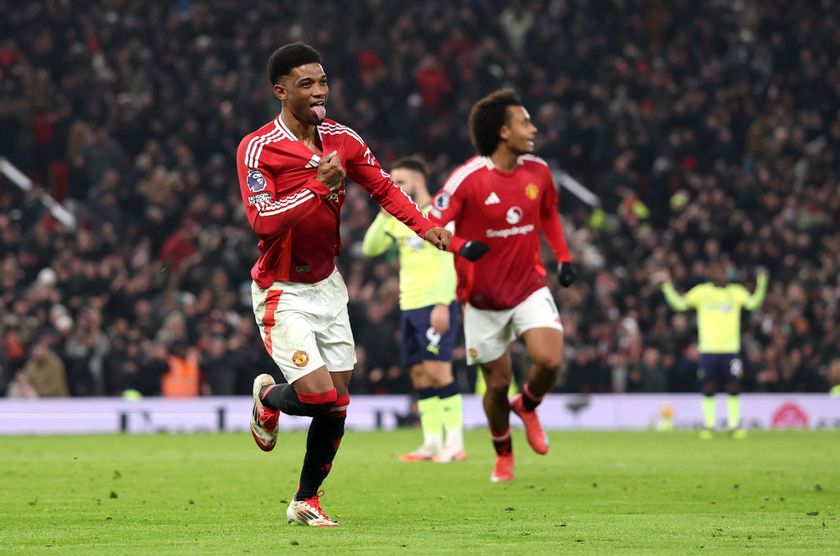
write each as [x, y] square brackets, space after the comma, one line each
[489, 333]
[305, 326]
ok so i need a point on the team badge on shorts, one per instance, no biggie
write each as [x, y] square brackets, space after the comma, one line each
[256, 181]
[473, 353]
[300, 358]
[532, 191]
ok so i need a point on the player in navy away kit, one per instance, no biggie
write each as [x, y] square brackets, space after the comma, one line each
[291, 177]
[501, 199]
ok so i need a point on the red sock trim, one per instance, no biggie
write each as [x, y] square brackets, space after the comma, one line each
[317, 397]
[340, 409]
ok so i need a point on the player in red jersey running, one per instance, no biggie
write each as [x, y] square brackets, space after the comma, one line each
[291, 176]
[499, 201]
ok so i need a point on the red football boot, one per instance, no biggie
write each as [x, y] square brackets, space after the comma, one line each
[503, 470]
[533, 429]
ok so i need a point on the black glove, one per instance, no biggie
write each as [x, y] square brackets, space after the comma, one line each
[473, 250]
[566, 274]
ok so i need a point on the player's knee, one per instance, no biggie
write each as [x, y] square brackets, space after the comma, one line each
[498, 389]
[440, 377]
[733, 388]
[551, 361]
[319, 403]
[417, 373]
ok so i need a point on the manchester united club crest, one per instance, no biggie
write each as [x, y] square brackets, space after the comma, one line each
[300, 358]
[473, 353]
[532, 191]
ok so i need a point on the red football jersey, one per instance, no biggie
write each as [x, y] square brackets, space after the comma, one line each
[295, 216]
[505, 210]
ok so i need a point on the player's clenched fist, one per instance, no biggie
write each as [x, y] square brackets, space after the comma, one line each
[330, 171]
[438, 237]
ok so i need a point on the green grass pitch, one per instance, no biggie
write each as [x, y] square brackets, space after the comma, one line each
[596, 492]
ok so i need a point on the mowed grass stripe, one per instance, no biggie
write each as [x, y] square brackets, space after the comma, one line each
[596, 492]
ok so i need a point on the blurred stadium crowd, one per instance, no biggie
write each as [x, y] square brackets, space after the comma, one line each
[708, 130]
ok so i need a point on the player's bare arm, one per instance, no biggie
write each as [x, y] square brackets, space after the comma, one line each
[661, 277]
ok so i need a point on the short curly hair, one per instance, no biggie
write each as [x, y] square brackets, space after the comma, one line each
[487, 117]
[289, 56]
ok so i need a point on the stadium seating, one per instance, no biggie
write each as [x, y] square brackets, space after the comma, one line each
[706, 129]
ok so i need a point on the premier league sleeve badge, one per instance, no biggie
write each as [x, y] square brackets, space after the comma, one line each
[256, 181]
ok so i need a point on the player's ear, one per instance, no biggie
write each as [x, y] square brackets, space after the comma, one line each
[504, 132]
[280, 92]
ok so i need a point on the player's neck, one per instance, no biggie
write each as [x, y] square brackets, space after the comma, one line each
[421, 199]
[504, 159]
[302, 131]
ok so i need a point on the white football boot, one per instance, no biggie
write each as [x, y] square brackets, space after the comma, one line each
[263, 420]
[308, 512]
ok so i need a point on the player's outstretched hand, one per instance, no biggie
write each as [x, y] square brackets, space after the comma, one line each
[473, 250]
[566, 274]
[438, 237]
[330, 171]
[661, 277]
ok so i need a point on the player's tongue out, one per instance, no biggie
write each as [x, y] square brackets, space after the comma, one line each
[319, 110]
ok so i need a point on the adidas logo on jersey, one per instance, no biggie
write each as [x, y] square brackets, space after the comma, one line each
[313, 162]
[492, 199]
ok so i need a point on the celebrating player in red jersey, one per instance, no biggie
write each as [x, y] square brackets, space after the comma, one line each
[500, 200]
[291, 175]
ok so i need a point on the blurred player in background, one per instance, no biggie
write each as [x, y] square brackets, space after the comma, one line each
[429, 322]
[718, 304]
[291, 176]
[500, 200]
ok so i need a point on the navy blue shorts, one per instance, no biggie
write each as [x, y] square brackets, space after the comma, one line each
[720, 368]
[420, 342]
